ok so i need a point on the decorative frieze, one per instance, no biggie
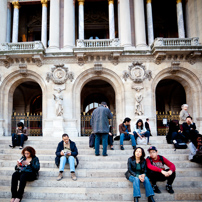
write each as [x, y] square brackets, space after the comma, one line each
[98, 68]
[23, 69]
[6, 61]
[174, 67]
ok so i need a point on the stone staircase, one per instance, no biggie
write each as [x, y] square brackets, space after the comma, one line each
[99, 178]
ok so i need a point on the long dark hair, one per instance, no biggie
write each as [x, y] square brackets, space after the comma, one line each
[31, 150]
[20, 124]
[141, 158]
[140, 120]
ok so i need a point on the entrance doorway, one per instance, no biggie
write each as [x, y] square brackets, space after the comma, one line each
[92, 94]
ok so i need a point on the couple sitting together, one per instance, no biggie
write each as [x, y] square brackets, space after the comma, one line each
[126, 134]
[153, 168]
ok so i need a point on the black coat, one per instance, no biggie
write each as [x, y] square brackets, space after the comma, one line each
[188, 128]
[73, 148]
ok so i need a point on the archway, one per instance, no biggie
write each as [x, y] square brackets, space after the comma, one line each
[92, 94]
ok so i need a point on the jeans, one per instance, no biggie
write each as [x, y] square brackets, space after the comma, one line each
[23, 177]
[125, 137]
[136, 186]
[146, 134]
[20, 141]
[104, 143]
[110, 140]
[64, 160]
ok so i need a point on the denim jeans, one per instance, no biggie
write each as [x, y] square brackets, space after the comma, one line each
[104, 143]
[123, 137]
[64, 160]
[136, 186]
[20, 141]
[146, 134]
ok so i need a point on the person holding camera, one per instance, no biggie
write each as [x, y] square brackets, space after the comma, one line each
[26, 170]
[100, 125]
[66, 153]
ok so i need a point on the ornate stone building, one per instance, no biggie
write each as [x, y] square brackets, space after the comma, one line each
[60, 58]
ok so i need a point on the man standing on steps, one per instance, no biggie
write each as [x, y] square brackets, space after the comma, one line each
[157, 172]
[66, 153]
[100, 125]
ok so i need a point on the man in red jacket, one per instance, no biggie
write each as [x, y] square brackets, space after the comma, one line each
[157, 172]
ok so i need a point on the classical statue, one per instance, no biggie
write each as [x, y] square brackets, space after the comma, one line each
[138, 105]
[58, 102]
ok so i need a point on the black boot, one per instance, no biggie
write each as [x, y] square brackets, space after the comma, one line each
[151, 199]
[136, 199]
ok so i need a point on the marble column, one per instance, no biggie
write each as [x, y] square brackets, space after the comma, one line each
[8, 28]
[111, 19]
[69, 24]
[81, 19]
[44, 22]
[150, 28]
[54, 30]
[180, 20]
[125, 23]
[140, 34]
[15, 21]
[3, 21]
[119, 29]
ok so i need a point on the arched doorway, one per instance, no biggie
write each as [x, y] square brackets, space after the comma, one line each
[27, 107]
[92, 94]
[170, 95]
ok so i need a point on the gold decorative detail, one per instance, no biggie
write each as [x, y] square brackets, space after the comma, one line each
[179, 1]
[44, 3]
[149, 1]
[81, 2]
[16, 4]
[111, 2]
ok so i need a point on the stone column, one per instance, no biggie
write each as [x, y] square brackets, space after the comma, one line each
[81, 19]
[119, 29]
[150, 28]
[54, 30]
[3, 21]
[69, 23]
[15, 21]
[111, 19]
[125, 23]
[180, 20]
[44, 22]
[8, 28]
[140, 35]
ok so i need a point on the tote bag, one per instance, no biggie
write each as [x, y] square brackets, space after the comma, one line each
[142, 141]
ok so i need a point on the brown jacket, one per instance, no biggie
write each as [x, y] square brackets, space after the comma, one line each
[122, 129]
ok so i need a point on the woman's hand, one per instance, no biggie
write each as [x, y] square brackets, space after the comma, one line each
[18, 164]
[25, 163]
[141, 177]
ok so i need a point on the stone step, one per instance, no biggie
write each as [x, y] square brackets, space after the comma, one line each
[100, 164]
[99, 173]
[105, 194]
[89, 182]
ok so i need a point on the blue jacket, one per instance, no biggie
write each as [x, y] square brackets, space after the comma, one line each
[99, 120]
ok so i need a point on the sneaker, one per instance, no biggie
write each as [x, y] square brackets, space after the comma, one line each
[156, 189]
[105, 155]
[11, 146]
[148, 143]
[59, 177]
[73, 176]
[122, 148]
[112, 148]
[169, 189]
[97, 154]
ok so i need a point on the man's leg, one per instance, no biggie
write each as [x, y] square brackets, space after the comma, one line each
[22, 139]
[133, 140]
[147, 134]
[174, 136]
[63, 161]
[97, 144]
[14, 140]
[121, 140]
[171, 178]
[104, 143]
[72, 167]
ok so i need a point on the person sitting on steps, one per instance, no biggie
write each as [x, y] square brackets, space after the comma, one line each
[125, 133]
[157, 171]
[19, 136]
[140, 131]
[66, 153]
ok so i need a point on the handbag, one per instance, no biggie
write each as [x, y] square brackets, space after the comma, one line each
[142, 141]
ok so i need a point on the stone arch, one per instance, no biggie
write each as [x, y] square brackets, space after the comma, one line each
[7, 89]
[107, 75]
[191, 84]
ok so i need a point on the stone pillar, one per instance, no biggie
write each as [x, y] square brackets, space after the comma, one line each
[81, 19]
[15, 21]
[8, 28]
[125, 23]
[54, 30]
[180, 20]
[119, 29]
[44, 22]
[111, 19]
[150, 28]
[3, 21]
[140, 35]
[69, 23]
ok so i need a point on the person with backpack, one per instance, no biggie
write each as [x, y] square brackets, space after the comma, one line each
[157, 172]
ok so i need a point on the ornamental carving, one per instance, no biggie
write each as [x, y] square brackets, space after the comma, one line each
[59, 74]
[137, 73]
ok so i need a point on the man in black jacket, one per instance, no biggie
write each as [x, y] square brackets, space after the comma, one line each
[66, 153]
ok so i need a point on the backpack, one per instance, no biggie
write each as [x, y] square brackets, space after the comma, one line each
[92, 140]
[179, 144]
[161, 159]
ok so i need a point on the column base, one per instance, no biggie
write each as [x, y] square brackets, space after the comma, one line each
[58, 128]
[142, 47]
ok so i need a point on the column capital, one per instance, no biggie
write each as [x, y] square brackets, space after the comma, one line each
[178, 1]
[16, 4]
[149, 1]
[110, 1]
[44, 3]
[81, 2]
